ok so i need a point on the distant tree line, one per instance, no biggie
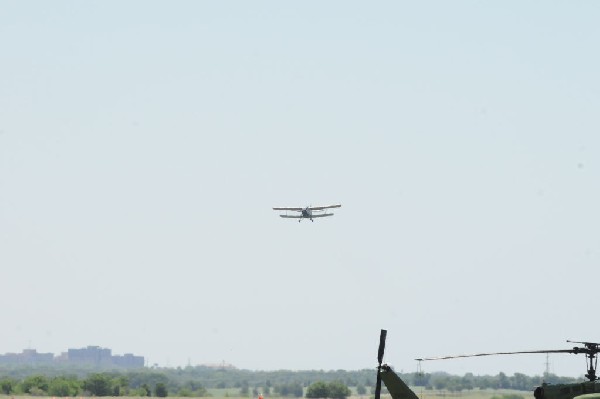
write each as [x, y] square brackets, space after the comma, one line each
[518, 381]
[196, 381]
[98, 384]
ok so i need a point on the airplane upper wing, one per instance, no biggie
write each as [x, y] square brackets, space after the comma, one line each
[287, 208]
[320, 208]
[397, 388]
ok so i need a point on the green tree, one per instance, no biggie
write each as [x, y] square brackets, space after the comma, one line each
[333, 389]
[520, 382]
[361, 390]
[454, 386]
[338, 390]
[35, 391]
[467, 381]
[317, 389]
[64, 386]
[39, 382]
[440, 382]
[503, 381]
[120, 385]
[146, 388]
[296, 390]
[293, 389]
[99, 385]
[244, 388]
[160, 390]
[7, 385]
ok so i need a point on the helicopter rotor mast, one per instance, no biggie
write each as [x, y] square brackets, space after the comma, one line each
[590, 349]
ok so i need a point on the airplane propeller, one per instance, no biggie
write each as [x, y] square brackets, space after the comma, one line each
[380, 360]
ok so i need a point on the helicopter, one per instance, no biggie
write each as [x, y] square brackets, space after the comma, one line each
[584, 390]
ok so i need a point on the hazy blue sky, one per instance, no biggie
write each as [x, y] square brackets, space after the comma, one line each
[143, 144]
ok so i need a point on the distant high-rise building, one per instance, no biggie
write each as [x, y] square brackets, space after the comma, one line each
[128, 360]
[28, 356]
[94, 356]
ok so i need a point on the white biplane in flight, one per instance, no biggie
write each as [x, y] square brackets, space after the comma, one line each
[309, 212]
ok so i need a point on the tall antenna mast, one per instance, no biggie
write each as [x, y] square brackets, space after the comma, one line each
[420, 377]
[547, 373]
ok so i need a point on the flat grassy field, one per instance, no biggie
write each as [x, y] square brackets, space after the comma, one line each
[472, 394]
[422, 393]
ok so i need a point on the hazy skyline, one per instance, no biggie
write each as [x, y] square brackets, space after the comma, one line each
[143, 144]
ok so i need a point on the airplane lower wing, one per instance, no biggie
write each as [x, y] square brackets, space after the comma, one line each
[321, 215]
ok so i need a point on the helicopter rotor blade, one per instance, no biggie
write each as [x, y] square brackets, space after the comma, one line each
[495, 353]
[379, 360]
[381, 346]
[378, 386]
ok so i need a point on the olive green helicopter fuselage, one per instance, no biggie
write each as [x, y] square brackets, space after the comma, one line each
[582, 390]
